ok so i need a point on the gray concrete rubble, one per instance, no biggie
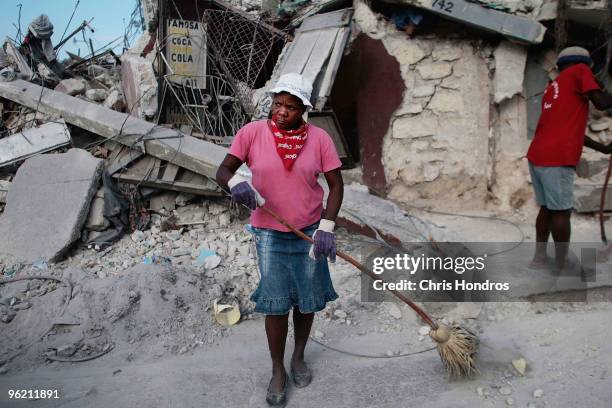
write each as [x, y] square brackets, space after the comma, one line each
[510, 60]
[96, 220]
[115, 101]
[139, 86]
[72, 86]
[96, 95]
[587, 198]
[20, 146]
[47, 205]
[4, 188]
[185, 151]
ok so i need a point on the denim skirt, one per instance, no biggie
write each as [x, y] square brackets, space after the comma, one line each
[288, 277]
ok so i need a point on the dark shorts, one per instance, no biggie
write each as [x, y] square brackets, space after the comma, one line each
[288, 276]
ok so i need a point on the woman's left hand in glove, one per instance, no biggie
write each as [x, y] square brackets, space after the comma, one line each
[324, 241]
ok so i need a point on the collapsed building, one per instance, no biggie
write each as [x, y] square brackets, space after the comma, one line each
[439, 114]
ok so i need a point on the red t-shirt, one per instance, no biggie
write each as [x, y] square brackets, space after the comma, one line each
[559, 136]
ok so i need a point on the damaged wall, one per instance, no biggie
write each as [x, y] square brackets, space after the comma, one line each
[459, 136]
[437, 145]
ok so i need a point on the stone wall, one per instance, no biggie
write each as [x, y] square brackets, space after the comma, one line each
[459, 137]
[436, 150]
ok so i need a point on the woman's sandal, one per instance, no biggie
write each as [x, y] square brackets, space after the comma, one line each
[301, 379]
[278, 399]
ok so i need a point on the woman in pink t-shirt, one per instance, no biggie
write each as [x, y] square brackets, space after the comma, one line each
[286, 156]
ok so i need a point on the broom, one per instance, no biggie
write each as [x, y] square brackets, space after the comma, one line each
[602, 204]
[457, 346]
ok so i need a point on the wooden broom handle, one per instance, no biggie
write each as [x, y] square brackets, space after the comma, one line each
[359, 266]
[602, 203]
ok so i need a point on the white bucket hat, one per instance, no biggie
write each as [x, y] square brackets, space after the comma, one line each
[296, 85]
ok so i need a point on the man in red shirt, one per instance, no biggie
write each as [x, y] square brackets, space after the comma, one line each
[557, 146]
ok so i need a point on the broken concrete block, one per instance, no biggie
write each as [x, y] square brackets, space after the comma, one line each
[196, 155]
[96, 220]
[587, 198]
[415, 126]
[72, 86]
[510, 61]
[4, 187]
[48, 204]
[108, 80]
[435, 70]
[163, 201]
[446, 101]
[96, 70]
[96, 95]
[18, 59]
[115, 101]
[30, 142]
[589, 168]
[139, 86]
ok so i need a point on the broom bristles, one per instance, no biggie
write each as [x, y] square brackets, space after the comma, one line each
[457, 347]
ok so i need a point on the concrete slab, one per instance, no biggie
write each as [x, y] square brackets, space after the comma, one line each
[167, 144]
[33, 141]
[47, 205]
[510, 60]
[517, 28]
[139, 86]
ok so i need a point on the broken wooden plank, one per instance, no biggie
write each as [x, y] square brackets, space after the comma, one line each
[122, 159]
[317, 50]
[170, 172]
[167, 144]
[31, 142]
[146, 168]
[179, 186]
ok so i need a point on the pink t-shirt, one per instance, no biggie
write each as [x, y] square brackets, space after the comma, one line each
[293, 194]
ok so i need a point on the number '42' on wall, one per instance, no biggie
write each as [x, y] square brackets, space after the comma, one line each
[443, 5]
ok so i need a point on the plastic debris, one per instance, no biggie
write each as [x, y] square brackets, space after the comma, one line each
[208, 259]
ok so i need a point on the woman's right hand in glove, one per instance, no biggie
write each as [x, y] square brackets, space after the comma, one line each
[243, 193]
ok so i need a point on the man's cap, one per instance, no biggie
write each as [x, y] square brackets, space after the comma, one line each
[574, 54]
[296, 85]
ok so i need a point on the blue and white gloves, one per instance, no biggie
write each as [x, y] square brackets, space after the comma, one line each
[244, 193]
[324, 241]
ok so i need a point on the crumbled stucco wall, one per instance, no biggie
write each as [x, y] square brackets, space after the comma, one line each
[436, 150]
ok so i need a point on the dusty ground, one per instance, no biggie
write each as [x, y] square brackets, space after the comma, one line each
[165, 350]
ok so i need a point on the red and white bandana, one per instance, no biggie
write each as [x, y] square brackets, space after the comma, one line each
[289, 143]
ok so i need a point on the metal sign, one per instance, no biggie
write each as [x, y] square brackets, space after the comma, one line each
[186, 53]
